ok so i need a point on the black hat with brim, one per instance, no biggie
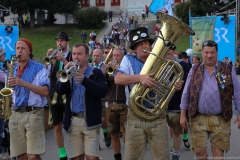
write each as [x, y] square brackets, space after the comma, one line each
[63, 35]
[138, 35]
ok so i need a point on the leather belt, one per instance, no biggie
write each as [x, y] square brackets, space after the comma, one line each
[79, 115]
[26, 109]
[117, 102]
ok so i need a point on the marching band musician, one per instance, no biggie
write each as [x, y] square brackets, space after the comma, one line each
[98, 63]
[2, 83]
[56, 101]
[140, 132]
[31, 86]
[117, 109]
[173, 110]
[83, 106]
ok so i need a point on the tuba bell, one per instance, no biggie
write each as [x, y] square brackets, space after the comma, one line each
[149, 103]
[49, 59]
[66, 74]
[6, 92]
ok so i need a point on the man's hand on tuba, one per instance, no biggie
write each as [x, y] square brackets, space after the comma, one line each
[178, 85]
[147, 80]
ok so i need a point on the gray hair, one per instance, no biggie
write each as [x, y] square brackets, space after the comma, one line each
[117, 48]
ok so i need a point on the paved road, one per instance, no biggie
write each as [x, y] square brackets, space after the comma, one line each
[107, 153]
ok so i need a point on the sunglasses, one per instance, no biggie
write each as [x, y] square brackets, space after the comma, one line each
[209, 43]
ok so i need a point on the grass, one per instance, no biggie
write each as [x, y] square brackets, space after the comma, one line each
[43, 38]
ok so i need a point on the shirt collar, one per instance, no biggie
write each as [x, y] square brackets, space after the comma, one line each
[65, 54]
[215, 67]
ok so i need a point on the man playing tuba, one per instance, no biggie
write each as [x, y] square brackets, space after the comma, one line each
[140, 132]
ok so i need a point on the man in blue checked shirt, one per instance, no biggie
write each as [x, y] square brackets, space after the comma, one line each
[31, 86]
[83, 112]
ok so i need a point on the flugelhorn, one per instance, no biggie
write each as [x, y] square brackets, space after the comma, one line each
[110, 69]
[66, 74]
[48, 59]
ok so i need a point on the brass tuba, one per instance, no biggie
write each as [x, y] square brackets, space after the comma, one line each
[166, 72]
[6, 92]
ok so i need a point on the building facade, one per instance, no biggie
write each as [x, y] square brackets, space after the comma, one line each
[108, 5]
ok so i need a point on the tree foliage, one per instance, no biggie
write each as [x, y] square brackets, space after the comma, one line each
[200, 8]
[30, 6]
[91, 17]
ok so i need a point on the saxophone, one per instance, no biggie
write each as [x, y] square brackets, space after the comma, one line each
[6, 92]
[166, 72]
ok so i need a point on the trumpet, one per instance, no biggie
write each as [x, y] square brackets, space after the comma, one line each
[110, 54]
[110, 69]
[48, 59]
[66, 74]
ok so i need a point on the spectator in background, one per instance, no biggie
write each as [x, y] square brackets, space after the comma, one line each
[225, 60]
[92, 44]
[92, 36]
[165, 10]
[121, 36]
[230, 61]
[178, 55]
[143, 15]
[237, 69]
[147, 10]
[195, 59]
[185, 58]
[2, 20]
[97, 44]
[104, 40]
[126, 15]
[156, 29]
[128, 23]
[135, 19]
[117, 36]
[110, 16]
[83, 36]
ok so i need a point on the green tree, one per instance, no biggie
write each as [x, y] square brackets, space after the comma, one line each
[53, 6]
[91, 17]
[200, 8]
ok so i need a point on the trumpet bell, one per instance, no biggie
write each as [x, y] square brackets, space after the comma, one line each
[110, 70]
[62, 76]
[46, 60]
